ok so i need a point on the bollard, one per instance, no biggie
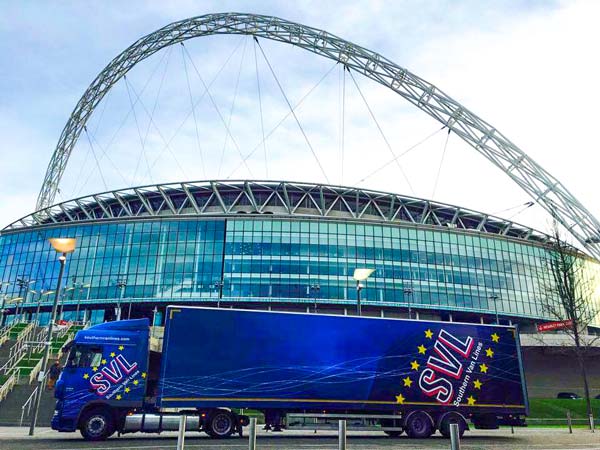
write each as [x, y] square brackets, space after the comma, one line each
[592, 423]
[454, 437]
[252, 434]
[342, 435]
[181, 434]
[569, 422]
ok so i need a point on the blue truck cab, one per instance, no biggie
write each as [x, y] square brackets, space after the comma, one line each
[106, 370]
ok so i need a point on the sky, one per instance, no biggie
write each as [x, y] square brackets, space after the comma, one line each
[527, 67]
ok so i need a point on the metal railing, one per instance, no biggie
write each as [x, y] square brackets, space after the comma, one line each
[4, 334]
[30, 400]
[8, 385]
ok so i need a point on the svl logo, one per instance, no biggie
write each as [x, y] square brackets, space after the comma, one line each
[444, 363]
[111, 374]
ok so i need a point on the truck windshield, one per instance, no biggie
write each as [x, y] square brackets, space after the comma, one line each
[85, 356]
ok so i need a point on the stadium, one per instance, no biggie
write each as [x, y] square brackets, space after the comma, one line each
[292, 246]
[280, 245]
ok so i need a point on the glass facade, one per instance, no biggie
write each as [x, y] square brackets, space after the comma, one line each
[268, 259]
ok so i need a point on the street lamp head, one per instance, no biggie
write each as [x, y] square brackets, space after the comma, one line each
[362, 274]
[63, 245]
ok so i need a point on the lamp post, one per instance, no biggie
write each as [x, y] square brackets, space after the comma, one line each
[218, 286]
[316, 288]
[494, 297]
[39, 299]
[16, 300]
[61, 308]
[121, 285]
[154, 311]
[360, 275]
[407, 293]
[4, 297]
[24, 284]
[39, 302]
[62, 246]
[81, 288]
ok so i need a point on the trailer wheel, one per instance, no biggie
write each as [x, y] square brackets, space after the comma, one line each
[221, 424]
[450, 418]
[419, 425]
[97, 424]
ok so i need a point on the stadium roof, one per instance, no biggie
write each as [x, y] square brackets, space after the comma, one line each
[279, 198]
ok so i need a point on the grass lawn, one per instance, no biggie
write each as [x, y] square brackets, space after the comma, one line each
[554, 408]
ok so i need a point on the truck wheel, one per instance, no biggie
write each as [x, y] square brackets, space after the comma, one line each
[97, 425]
[221, 424]
[449, 419]
[419, 425]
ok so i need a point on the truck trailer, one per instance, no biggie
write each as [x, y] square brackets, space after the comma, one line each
[212, 364]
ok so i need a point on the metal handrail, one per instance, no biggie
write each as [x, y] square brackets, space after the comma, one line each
[28, 341]
[28, 402]
[13, 359]
[8, 385]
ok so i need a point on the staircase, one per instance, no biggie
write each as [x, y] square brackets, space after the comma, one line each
[11, 410]
[17, 403]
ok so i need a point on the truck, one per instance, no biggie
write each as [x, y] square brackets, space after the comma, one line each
[214, 364]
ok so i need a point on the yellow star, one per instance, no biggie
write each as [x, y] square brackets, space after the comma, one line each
[121, 347]
[495, 337]
[407, 381]
[95, 369]
[470, 400]
[118, 397]
[483, 368]
[477, 384]
[428, 334]
[112, 354]
[489, 352]
[103, 361]
[400, 399]
[127, 390]
[143, 374]
[421, 349]
[136, 382]
[414, 365]
[85, 376]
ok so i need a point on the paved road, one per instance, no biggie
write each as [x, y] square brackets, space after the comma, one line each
[529, 439]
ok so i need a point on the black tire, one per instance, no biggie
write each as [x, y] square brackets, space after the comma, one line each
[449, 419]
[220, 424]
[418, 425]
[96, 424]
[393, 433]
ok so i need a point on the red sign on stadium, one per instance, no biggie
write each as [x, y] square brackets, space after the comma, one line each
[551, 326]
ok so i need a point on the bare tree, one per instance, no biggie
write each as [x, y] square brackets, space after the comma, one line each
[568, 291]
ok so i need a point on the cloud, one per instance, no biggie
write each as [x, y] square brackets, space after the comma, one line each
[526, 67]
